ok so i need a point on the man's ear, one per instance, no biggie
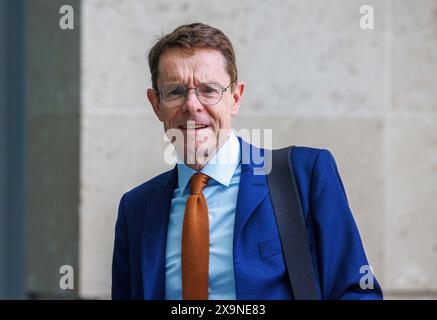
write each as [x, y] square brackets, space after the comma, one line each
[237, 94]
[153, 98]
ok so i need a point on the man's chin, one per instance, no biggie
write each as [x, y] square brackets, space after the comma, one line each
[199, 154]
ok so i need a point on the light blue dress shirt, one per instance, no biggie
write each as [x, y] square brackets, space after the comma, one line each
[221, 192]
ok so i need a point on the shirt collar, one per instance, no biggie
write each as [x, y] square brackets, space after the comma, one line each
[220, 167]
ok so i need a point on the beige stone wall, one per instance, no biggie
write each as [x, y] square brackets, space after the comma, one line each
[315, 78]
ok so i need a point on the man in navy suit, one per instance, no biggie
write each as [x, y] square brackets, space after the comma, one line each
[195, 94]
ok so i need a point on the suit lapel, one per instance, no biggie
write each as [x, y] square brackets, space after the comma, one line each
[252, 190]
[154, 239]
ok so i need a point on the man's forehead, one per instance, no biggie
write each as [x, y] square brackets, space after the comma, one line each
[203, 64]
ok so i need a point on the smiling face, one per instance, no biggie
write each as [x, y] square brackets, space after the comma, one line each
[204, 128]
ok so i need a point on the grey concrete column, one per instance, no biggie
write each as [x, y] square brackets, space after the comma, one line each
[53, 81]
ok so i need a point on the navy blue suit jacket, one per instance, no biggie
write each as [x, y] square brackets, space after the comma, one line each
[138, 270]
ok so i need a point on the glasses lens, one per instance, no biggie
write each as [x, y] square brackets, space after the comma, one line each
[209, 93]
[173, 95]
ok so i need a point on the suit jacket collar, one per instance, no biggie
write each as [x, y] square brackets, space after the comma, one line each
[253, 185]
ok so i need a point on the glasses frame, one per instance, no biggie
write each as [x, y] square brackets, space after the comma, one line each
[224, 89]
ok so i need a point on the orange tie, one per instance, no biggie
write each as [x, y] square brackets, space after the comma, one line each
[195, 242]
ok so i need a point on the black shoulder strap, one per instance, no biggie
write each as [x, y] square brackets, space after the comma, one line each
[289, 217]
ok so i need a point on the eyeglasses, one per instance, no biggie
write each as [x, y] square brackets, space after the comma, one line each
[208, 94]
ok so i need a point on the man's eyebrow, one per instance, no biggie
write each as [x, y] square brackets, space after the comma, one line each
[168, 78]
[175, 80]
[210, 81]
[171, 82]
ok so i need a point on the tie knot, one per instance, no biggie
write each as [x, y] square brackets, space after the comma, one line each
[198, 182]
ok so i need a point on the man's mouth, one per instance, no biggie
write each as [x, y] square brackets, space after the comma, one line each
[191, 127]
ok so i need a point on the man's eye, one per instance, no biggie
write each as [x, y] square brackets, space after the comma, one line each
[175, 92]
[209, 90]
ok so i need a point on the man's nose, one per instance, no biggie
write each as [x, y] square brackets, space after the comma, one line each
[191, 103]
